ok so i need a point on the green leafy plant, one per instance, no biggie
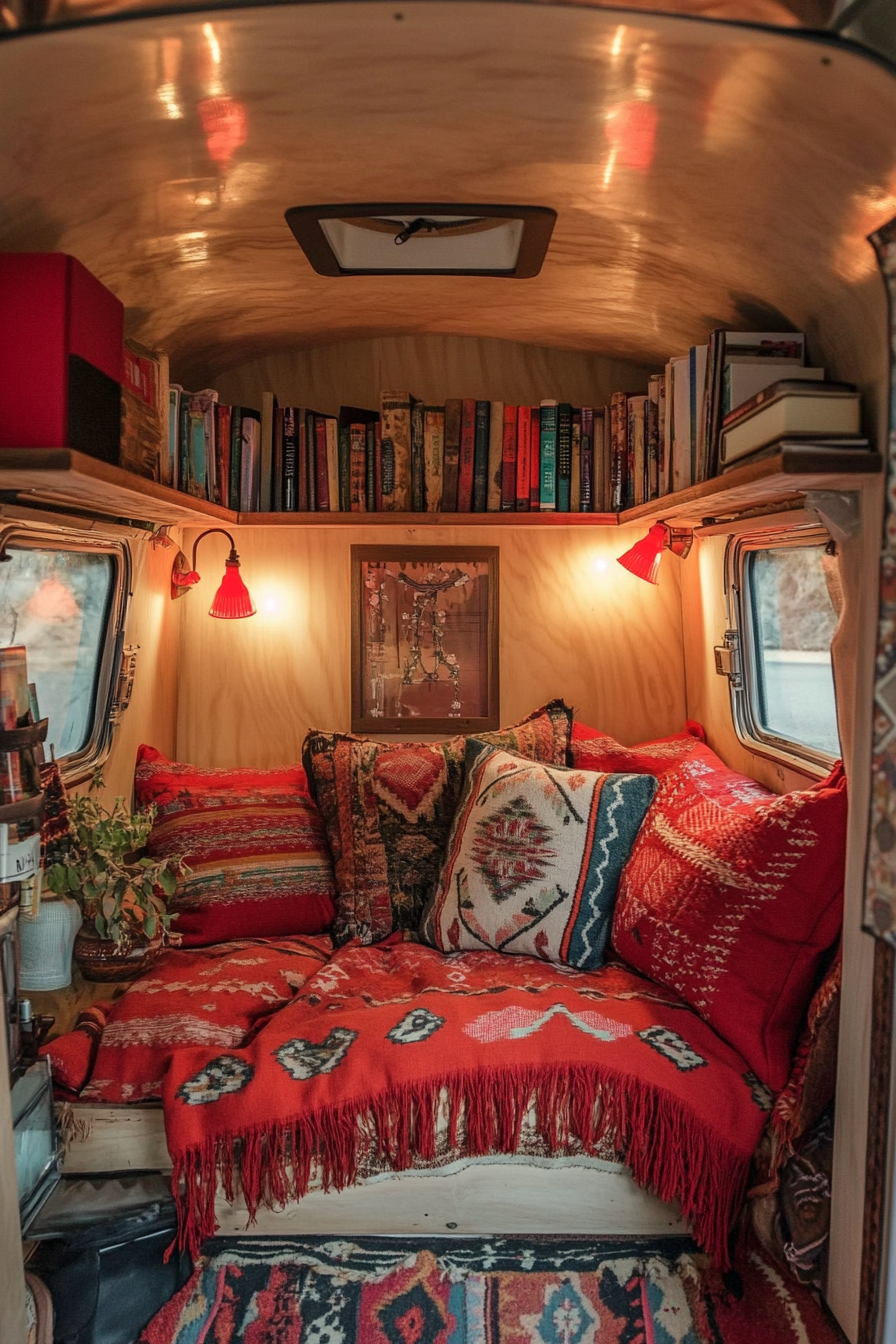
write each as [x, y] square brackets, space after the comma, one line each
[123, 892]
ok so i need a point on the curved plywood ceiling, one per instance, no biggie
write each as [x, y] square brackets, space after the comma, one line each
[703, 173]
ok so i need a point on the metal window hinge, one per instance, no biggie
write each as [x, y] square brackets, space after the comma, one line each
[728, 659]
[125, 685]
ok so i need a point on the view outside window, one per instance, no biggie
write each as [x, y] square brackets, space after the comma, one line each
[56, 604]
[793, 624]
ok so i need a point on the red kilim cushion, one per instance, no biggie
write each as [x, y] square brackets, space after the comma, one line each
[388, 809]
[733, 901]
[255, 845]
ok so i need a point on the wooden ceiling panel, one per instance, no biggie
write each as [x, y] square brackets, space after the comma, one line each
[702, 173]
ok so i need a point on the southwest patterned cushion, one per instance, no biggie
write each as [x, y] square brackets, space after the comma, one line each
[255, 845]
[534, 858]
[596, 751]
[388, 809]
[733, 903]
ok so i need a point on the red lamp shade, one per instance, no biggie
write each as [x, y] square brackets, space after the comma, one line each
[644, 557]
[232, 600]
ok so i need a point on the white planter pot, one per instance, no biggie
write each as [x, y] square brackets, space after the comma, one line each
[45, 944]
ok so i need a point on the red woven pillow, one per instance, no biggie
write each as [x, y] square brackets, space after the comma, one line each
[255, 844]
[732, 899]
[593, 750]
[388, 809]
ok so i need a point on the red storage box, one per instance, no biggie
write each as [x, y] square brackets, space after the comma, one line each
[61, 356]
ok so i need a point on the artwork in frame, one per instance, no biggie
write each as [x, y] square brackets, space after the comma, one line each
[424, 639]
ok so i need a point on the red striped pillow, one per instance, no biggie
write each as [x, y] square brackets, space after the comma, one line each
[255, 844]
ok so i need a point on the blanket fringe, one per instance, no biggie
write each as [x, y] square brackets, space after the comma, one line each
[661, 1140]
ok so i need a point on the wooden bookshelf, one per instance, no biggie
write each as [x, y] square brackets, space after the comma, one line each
[428, 520]
[65, 478]
[771, 480]
[69, 479]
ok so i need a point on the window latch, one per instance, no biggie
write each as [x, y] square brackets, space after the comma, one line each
[728, 659]
[125, 685]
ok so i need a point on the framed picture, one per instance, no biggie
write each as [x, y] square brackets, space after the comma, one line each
[424, 639]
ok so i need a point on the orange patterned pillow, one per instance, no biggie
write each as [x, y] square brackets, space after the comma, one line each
[255, 845]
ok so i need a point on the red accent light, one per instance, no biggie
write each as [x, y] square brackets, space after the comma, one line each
[232, 600]
[225, 126]
[644, 558]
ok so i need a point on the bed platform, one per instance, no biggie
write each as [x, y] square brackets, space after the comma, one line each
[476, 1196]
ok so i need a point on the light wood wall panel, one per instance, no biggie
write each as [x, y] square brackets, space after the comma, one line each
[153, 624]
[573, 623]
[353, 373]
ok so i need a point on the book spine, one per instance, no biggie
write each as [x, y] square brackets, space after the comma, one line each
[587, 504]
[453, 417]
[184, 466]
[222, 454]
[322, 475]
[311, 461]
[370, 466]
[433, 454]
[280, 501]
[418, 457]
[332, 440]
[495, 456]
[266, 451]
[575, 485]
[467, 452]
[236, 456]
[378, 465]
[277, 462]
[301, 486]
[664, 416]
[395, 414]
[652, 437]
[174, 395]
[637, 458]
[357, 468]
[481, 456]
[250, 462]
[209, 401]
[535, 460]
[289, 495]
[548, 449]
[345, 469]
[602, 488]
[508, 459]
[618, 450]
[564, 457]
[523, 456]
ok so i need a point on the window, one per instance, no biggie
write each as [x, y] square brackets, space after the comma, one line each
[64, 599]
[784, 618]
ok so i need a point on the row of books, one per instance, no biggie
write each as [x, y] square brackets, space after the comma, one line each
[488, 456]
[463, 456]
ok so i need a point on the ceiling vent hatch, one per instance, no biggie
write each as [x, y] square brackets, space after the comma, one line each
[424, 239]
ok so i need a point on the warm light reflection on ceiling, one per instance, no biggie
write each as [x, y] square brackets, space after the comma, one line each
[618, 39]
[631, 131]
[854, 258]
[225, 126]
[169, 51]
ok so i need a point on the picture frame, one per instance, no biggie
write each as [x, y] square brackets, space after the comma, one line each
[424, 644]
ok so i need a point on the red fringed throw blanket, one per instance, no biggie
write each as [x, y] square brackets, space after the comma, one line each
[375, 1035]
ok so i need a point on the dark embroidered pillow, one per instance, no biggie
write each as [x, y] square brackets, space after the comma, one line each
[388, 809]
[534, 858]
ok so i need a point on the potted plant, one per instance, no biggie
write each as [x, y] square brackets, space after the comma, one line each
[121, 891]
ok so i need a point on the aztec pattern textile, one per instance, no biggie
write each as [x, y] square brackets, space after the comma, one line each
[485, 1291]
[880, 875]
[375, 1036]
[255, 845]
[789, 1203]
[735, 905]
[211, 996]
[388, 810]
[592, 751]
[534, 858]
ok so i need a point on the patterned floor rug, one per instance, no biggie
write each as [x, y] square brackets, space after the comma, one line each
[498, 1290]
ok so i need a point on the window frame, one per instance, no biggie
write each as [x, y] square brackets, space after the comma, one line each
[80, 765]
[744, 679]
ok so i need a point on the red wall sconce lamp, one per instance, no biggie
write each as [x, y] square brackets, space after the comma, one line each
[643, 559]
[232, 601]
